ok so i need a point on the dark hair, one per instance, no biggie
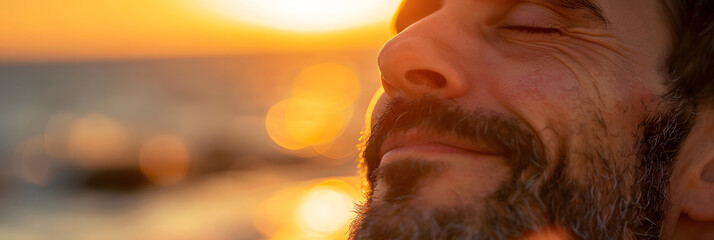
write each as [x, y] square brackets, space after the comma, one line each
[690, 63]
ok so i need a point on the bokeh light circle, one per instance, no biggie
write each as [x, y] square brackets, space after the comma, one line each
[164, 159]
[32, 163]
[97, 141]
[298, 123]
[321, 106]
[325, 210]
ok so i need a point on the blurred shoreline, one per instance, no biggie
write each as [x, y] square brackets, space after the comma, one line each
[90, 149]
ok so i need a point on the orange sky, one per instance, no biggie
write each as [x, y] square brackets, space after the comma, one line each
[78, 30]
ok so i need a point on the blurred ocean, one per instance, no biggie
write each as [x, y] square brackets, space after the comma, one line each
[167, 149]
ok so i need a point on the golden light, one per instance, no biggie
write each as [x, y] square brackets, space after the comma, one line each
[275, 125]
[327, 81]
[323, 95]
[299, 123]
[325, 210]
[164, 159]
[305, 15]
[370, 109]
[272, 215]
[89, 30]
[96, 141]
[313, 122]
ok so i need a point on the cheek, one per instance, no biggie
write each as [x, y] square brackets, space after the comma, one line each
[541, 86]
[544, 89]
[574, 106]
[583, 72]
[560, 86]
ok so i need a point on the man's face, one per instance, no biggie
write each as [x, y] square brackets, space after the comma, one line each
[502, 119]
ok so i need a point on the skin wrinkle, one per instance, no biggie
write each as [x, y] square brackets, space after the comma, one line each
[571, 52]
[591, 78]
[595, 114]
[601, 38]
[605, 40]
[533, 125]
[599, 114]
[599, 42]
[572, 63]
[605, 54]
[623, 65]
[575, 73]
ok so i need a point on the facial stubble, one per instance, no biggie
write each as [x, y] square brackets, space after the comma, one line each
[609, 207]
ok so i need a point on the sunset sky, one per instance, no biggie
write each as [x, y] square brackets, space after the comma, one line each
[185, 119]
[81, 30]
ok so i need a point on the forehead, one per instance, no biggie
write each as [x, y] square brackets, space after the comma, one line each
[638, 25]
[597, 11]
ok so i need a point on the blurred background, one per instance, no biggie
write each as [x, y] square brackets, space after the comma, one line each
[184, 119]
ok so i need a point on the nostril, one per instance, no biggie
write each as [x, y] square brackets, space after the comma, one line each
[430, 78]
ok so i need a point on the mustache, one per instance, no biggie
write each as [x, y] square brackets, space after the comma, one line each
[521, 144]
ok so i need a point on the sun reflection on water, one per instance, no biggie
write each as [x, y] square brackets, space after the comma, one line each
[323, 210]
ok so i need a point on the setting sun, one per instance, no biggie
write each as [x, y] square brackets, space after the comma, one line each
[305, 15]
[79, 30]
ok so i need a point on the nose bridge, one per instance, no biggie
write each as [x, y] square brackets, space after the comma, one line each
[425, 59]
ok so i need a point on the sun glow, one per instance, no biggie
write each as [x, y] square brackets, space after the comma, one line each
[324, 210]
[318, 210]
[305, 15]
[321, 106]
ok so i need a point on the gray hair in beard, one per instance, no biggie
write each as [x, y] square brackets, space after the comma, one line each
[530, 199]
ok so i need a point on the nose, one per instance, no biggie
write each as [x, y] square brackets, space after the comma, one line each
[418, 61]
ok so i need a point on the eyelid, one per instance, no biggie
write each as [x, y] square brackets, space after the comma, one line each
[533, 15]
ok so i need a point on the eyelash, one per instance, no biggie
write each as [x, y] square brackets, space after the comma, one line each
[534, 30]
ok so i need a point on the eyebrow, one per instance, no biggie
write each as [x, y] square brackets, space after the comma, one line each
[593, 11]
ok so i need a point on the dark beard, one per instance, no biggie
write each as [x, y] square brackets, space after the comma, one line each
[610, 207]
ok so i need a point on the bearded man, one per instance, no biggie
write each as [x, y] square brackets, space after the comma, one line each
[522, 119]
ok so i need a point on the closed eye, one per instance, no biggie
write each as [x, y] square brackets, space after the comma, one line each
[533, 30]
